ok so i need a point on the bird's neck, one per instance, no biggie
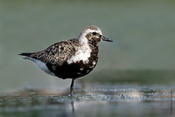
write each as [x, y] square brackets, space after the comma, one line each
[84, 41]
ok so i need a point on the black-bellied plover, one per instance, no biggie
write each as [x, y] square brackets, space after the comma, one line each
[70, 59]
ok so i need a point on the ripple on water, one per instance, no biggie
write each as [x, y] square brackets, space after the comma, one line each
[34, 100]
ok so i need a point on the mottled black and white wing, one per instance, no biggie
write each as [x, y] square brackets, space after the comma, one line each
[52, 57]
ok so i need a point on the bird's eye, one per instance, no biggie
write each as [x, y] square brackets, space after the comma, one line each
[94, 33]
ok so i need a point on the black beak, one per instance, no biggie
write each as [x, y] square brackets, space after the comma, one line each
[106, 39]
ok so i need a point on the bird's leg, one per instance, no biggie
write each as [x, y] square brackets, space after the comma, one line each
[71, 87]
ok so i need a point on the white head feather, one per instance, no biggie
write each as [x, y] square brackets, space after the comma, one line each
[89, 29]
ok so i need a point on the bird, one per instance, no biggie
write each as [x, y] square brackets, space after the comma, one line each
[70, 59]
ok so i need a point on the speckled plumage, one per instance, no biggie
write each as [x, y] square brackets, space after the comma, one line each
[72, 58]
[57, 55]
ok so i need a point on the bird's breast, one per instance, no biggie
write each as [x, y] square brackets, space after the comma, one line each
[83, 53]
[75, 69]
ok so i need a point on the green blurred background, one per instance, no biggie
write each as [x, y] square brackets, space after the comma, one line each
[143, 30]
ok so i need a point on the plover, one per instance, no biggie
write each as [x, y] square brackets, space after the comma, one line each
[70, 59]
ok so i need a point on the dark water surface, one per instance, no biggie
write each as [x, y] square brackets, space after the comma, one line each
[99, 100]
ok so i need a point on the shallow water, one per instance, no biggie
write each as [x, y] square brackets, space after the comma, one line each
[99, 100]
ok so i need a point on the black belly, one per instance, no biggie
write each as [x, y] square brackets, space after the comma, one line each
[73, 71]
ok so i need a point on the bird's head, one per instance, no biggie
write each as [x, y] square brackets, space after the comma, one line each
[92, 34]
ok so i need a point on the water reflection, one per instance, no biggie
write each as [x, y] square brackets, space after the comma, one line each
[73, 108]
[172, 101]
[106, 101]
